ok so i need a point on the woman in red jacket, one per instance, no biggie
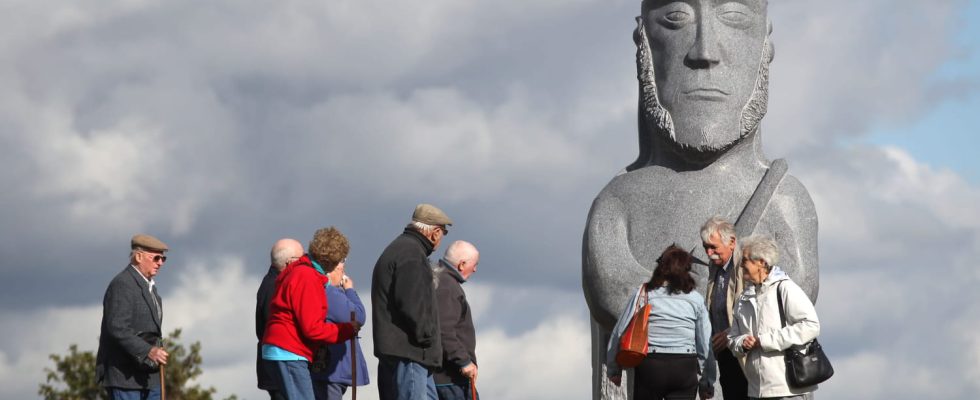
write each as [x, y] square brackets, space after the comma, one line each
[298, 310]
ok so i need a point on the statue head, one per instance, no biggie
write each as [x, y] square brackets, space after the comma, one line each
[703, 67]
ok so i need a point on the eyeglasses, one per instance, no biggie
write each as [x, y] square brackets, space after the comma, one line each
[156, 257]
[445, 231]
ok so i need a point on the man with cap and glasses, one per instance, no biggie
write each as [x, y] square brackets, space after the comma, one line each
[404, 315]
[130, 349]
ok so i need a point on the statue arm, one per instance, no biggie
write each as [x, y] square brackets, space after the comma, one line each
[798, 250]
[609, 270]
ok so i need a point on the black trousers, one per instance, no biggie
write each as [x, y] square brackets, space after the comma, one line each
[666, 376]
[733, 384]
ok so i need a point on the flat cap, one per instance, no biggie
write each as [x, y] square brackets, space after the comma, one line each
[430, 214]
[148, 242]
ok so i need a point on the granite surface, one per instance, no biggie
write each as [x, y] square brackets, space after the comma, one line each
[703, 70]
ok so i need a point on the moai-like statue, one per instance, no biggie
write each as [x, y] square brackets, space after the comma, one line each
[703, 71]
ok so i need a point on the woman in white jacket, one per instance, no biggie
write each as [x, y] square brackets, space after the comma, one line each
[757, 332]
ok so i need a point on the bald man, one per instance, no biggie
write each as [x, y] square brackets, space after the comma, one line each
[283, 252]
[456, 322]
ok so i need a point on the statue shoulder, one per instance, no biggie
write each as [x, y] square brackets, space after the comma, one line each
[794, 199]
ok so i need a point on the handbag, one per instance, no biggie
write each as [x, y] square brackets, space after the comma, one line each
[806, 365]
[633, 344]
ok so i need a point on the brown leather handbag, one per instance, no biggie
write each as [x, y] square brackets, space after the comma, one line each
[633, 344]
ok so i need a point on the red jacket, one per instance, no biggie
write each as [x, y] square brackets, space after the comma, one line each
[298, 311]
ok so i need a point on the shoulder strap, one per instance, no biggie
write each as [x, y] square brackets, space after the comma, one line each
[752, 213]
[779, 300]
[646, 297]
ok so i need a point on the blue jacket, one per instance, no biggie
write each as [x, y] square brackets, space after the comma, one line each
[679, 323]
[340, 303]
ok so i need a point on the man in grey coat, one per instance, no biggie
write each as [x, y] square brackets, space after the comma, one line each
[458, 370]
[130, 349]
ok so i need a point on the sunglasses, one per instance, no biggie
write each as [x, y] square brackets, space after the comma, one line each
[157, 257]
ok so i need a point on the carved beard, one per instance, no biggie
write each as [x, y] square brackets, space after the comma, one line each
[658, 118]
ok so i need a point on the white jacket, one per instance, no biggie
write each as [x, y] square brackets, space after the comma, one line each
[757, 314]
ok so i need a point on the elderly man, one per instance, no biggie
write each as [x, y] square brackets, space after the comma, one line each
[130, 351]
[406, 327]
[456, 322]
[283, 252]
[724, 286]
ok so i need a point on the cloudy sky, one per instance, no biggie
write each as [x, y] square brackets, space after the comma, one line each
[222, 126]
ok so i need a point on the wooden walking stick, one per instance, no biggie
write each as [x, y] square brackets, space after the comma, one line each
[353, 360]
[472, 389]
[163, 387]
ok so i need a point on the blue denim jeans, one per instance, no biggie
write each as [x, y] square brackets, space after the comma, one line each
[133, 394]
[455, 392]
[324, 390]
[295, 379]
[403, 379]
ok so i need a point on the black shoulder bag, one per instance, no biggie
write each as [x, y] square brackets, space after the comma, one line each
[806, 365]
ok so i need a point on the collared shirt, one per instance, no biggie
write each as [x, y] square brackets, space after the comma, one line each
[719, 299]
[149, 281]
[151, 284]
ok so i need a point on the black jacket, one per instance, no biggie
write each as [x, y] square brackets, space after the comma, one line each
[456, 326]
[404, 317]
[267, 288]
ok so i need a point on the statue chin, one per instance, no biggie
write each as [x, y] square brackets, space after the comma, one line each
[699, 139]
[706, 140]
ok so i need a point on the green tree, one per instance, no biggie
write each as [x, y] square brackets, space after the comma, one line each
[73, 376]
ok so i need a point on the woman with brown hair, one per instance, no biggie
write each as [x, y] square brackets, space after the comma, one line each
[678, 336]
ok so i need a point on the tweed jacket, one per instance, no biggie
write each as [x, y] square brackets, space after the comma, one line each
[735, 284]
[128, 311]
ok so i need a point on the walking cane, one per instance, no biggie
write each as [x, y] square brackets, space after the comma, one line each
[353, 360]
[472, 389]
[163, 387]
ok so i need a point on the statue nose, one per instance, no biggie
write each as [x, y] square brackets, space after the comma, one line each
[704, 51]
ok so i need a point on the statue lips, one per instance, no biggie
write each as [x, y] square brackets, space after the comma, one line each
[707, 94]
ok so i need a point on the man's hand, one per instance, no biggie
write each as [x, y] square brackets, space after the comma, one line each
[719, 341]
[158, 355]
[356, 325]
[616, 379]
[469, 371]
[750, 343]
[707, 392]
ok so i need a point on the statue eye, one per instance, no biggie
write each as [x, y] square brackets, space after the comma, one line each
[673, 15]
[677, 16]
[734, 17]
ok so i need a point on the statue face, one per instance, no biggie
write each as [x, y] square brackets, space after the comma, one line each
[706, 60]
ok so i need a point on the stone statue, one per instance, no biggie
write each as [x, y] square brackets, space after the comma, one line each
[703, 71]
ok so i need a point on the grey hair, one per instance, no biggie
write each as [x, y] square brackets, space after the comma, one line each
[423, 227]
[280, 256]
[761, 248]
[460, 251]
[720, 225]
[132, 252]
